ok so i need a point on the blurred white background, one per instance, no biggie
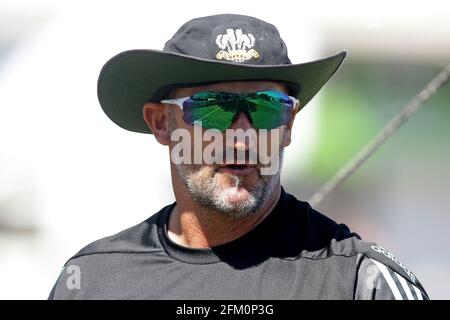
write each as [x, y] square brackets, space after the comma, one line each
[69, 176]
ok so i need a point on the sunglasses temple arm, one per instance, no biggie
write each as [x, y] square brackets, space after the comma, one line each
[179, 102]
[296, 104]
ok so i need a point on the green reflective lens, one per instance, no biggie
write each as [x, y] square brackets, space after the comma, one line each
[272, 110]
[266, 109]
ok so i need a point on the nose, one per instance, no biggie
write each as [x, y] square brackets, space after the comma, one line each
[241, 122]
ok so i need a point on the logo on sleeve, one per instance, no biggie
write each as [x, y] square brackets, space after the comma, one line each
[389, 255]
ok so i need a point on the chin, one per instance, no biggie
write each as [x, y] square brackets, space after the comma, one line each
[236, 195]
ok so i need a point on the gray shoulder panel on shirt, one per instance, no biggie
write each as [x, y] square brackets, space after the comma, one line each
[377, 281]
[380, 254]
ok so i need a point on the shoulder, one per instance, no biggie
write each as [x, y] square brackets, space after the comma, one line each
[382, 276]
[378, 273]
[107, 256]
[139, 238]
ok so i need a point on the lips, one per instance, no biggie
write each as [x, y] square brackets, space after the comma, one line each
[237, 169]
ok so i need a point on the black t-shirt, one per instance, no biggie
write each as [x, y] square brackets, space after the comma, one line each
[294, 253]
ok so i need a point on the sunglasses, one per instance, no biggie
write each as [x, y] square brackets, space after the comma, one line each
[217, 110]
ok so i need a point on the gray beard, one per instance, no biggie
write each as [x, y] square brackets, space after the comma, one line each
[206, 191]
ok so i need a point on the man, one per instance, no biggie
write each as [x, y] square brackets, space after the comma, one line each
[221, 94]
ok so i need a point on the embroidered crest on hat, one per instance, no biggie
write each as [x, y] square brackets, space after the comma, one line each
[236, 43]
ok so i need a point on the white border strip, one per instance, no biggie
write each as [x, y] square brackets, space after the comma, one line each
[405, 286]
[389, 279]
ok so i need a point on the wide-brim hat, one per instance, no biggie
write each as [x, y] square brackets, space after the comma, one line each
[205, 50]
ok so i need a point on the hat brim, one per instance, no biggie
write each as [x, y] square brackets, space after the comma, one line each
[130, 79]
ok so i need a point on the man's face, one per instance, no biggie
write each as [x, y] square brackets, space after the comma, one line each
[226, 188]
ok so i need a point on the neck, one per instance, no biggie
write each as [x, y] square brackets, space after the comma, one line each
[193, 226]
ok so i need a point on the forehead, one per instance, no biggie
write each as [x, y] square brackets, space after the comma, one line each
[231, 86]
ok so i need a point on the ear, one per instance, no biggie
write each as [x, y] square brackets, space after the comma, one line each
[157, 119]
[288, 129]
